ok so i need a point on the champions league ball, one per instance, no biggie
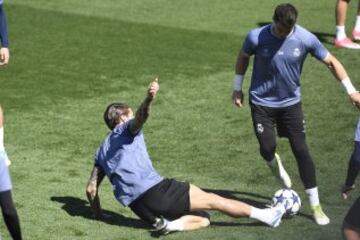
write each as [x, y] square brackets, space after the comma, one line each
[289, 199]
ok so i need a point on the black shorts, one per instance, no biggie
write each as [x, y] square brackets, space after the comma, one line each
[289, 121]
[352, 218]
[169, 198]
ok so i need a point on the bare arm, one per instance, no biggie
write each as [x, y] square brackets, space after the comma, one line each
[241, 66]
[242, 63]
[1, 117]
[96, 177]
[339, 72]
[143, 111]
[336, 68]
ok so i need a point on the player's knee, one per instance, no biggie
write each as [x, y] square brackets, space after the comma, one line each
[267, 151]
[217, 202]
[205, 222]
[300, 149]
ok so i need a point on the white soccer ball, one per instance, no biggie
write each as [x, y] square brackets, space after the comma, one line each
[289, 199]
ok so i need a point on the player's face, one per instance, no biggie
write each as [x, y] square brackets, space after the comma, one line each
[130, 113]
[127, 115]
[281, 30]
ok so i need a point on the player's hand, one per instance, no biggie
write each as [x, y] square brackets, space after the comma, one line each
[91, 191]
[153, 88]
[4, 56]
[238, 98]
[355, 98]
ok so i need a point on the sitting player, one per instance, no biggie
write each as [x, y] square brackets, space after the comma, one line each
[166, 204]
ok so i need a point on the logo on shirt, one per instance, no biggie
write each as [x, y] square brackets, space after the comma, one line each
[296, 52]
[280, 53]
[259, 128]
[266, 52]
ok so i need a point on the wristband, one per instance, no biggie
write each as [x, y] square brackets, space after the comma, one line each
[238, 82]
[350, 89]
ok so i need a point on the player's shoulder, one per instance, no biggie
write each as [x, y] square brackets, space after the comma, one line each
[257, 31]
[305, 36]
[255, 34]
[303, 33]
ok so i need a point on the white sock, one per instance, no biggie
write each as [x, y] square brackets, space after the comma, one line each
[340, 33]
[176, 225]
[258, 214]
[313, 196]
[357, 24]
[2, 139]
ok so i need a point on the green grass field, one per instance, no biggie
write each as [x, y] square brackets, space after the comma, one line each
[70, 58]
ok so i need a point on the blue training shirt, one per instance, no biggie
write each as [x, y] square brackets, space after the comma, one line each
[278, 64]
[127, 164]
[5, 181]
[3, 28]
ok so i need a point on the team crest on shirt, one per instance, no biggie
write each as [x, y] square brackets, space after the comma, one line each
[259, 128]
[296, 52]
[266, 52]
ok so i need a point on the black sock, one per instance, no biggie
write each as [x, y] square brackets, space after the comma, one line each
[10, 215]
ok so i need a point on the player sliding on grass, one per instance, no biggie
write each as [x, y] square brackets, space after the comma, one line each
[166, 204]
[280, 49]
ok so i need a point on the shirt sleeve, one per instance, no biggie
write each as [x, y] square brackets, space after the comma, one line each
[3, 28]
[316, 48]
[250, 43]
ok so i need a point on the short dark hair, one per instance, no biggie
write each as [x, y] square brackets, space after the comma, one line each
[113, 112]
[286, 14]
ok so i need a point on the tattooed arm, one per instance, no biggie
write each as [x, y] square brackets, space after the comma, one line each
[142, 112]
[97, 175]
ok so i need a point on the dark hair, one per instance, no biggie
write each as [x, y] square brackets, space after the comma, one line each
[286, 14]
[113, 112]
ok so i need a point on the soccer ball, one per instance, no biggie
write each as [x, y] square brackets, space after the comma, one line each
[289, 199]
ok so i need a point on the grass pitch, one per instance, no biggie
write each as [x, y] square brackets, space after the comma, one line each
[69, 59]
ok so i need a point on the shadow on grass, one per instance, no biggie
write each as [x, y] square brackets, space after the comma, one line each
[252, 199]
[77, 207]
[326, 38]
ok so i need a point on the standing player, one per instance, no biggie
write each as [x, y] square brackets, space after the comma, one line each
[4, 50]
[280, 49]
[167, 204]
[354, 165]
[341, 39]
[6, 203]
